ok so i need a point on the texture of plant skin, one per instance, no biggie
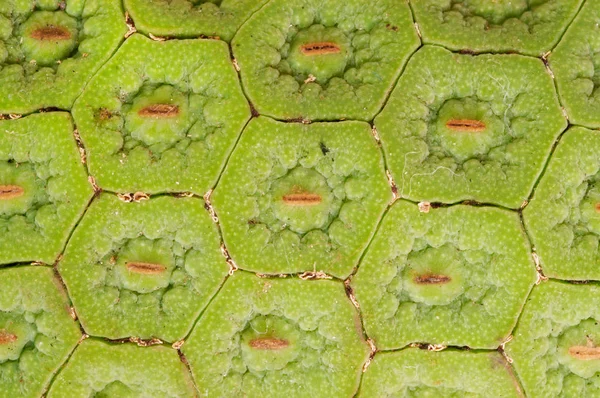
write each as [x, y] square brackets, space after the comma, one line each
[270, 337]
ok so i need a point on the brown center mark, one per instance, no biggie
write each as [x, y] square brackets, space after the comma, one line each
[159, 111]
[584, 353]
[302, 199]
[268, 343]
[431, 279]
[10, 191]
[7, 337]
[50, 33]
[469, 125]
[145, 268]
[322, 48]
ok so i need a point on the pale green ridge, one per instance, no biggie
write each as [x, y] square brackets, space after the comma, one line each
[369, 43]
[191, 18]
[415, 372]
[38, 154]
[37, 333]
[524, 26]
[511, 95]
[181, 268]
[40, 71]
[102, 370]
[455, 275]
[339, 163]
[563, 217]
[576, 66]
[558, 326]
[162, 116]
[263, 337]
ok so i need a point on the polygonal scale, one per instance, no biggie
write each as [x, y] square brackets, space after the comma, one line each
[563, 218]
[100, 369]
[162, 116]
[143, 269]
[556, 343]
[43, 187]
[576, 65]
[191, 18]
[50, 49]
[527, 27]
[462, 127]
[414, 372]
[37, 333]
[453, 276]
[298, 197]
[263, 337]
[324, 60]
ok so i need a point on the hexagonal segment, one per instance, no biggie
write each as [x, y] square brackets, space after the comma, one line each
[576, 64]
[162, 116]
[462, 127]
[415, 372]
[268, 337]
[191, 18]
[300, 197]
[563, 218]
[324, 60]
[43, 187]
[456, 276]
[37, 333]
[143, 269]
[101, 369]
[555, 346]
[495, 26]
[50, 49]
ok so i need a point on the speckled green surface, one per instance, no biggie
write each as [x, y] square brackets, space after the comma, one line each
[339, 162]
[34, 315]
[323, 355]
[100, 369]
[129, 152]
[41, 73]
[415, 372]
[38, 154]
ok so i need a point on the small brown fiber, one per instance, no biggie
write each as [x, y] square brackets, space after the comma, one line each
[10, 191]
[268, 343]
[7, 337]
[51, 33]
[159, 111]
[430, 279]
[321, 48]
[584, 353]
[145, 268]
[597, 207]
[467, 125]
[302, 199]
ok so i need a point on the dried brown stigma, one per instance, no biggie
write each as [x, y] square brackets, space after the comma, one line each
[431, 279]
[584, 353]
[597, 207]
[159, 111]
[321, 48]
[145, 268]
[10, 191]
[7, 337]
[51, 33]
[268, 343]
[302, 199]
[469, 125]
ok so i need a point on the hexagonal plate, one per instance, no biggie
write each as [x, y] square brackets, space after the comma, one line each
[324, 60]
[143, 269]
[100, 369]
[555, 346]
[456, 276]
[462, 127]
[498, 26]
[300, 197]
[563, 218]
[267, 337]
[414, 372]
[50, 49]
[162, 116]
[37, 333]
[43, 187]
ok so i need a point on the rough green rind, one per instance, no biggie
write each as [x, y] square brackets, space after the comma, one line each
[576, 65]
[26, 86]
[484, 252]
[325, 353]
[415, 372]
[113, 301]
[341, 160]
[563, 219]
[127, 153]
[100, 369]
[527, 27]
[187, 19]
[33, 300]
[513, 94]
[377, 37]
[557, 316]
[39, 153]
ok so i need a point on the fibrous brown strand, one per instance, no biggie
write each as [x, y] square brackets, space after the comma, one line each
[159, 111]
[268, 343]
[431, 279]
[145, 268]
[468, 125]
[321, 48]
[584, 353]
[10, 191]
[51, 32]
[302, 199]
